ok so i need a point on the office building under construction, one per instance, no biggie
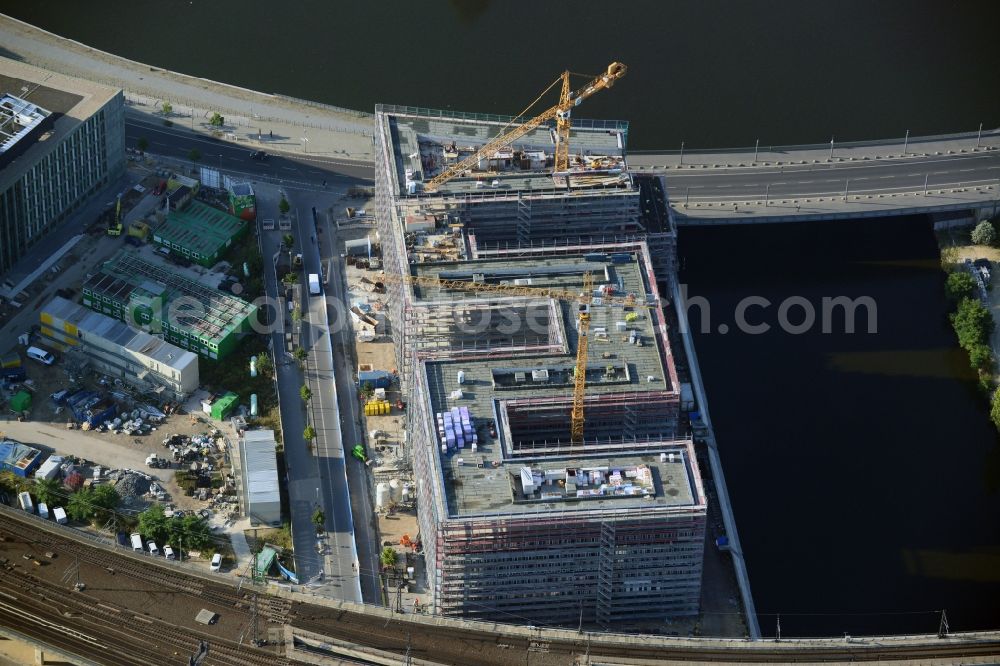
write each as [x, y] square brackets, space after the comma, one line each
[519, 519]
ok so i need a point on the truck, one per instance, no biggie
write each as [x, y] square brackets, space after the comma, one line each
[314, 284]
[155, 461]
[24, 501]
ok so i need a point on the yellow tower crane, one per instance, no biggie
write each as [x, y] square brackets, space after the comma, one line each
[561, 112]
[584, 300]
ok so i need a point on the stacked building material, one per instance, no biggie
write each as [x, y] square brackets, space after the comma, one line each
[456, 428]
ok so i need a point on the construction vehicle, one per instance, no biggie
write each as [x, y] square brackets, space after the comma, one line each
[115, 224]
[584, 299]
[561, 113]
[359, 452]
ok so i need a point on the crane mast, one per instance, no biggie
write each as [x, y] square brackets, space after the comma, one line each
[584, 299]
[561, 112]
[580, 371]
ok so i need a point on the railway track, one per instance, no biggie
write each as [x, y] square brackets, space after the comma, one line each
[115, 634]
[107, 632]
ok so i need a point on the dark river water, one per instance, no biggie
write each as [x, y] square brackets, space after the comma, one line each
[709, 73]
[863, 467]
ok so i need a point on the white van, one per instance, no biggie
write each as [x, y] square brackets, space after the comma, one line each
[136, 542]
[168, 552]
[153, 550]
[41, 355]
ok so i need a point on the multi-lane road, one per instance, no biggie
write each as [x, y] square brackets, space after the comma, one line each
[904, 174]
[282, 168]
[927, 172]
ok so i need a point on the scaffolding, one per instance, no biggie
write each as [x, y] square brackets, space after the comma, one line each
[554, 560]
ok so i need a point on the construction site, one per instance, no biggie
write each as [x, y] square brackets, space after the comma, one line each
[555, 482]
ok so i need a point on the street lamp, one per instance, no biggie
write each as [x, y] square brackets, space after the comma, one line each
[682, 152]
[305, 143]
[906, 142]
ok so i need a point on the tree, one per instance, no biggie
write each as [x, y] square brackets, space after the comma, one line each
[973, 323]
[168, 108]
[74, 481]
[216, 120]
[12, 483]
[153, 524]
[995, 408]
[300, 354]
[981, 357]
[105, 500]
[388, 557]
[309, 434]
[367, 390]
[288, 240]
[48, 490]
[319, 519]
[194, 155]
[290, 278]
[284, 206]
[296, 314]
[959, 285]
[984, 234]
[80, 506]
[305, 393]
[142, 144]
[190, 531]
[264, 364]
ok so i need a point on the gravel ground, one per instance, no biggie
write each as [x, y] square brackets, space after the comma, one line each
[114, 451]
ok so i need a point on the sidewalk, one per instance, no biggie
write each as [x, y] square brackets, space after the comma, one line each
[297, 125]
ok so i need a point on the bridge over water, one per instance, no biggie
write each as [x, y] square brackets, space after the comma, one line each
[956, 172]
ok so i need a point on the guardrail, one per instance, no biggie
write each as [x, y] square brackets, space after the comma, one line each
[958, 136]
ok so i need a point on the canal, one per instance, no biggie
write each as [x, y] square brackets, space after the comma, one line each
[863, 467]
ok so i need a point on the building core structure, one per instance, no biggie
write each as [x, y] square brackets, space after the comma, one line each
[518, 521]
[61, 140]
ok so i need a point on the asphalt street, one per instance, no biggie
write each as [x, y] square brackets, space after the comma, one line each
[344, 480]
[904, 174]
[302, 471]
[292, 168]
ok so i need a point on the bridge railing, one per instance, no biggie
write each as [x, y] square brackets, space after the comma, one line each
[871, 143]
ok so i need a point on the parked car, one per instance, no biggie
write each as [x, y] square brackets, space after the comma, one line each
[41, 355]
[258, 155]
[216, 562]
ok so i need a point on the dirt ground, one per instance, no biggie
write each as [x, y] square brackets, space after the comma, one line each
[391, 528]
[116, 451]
